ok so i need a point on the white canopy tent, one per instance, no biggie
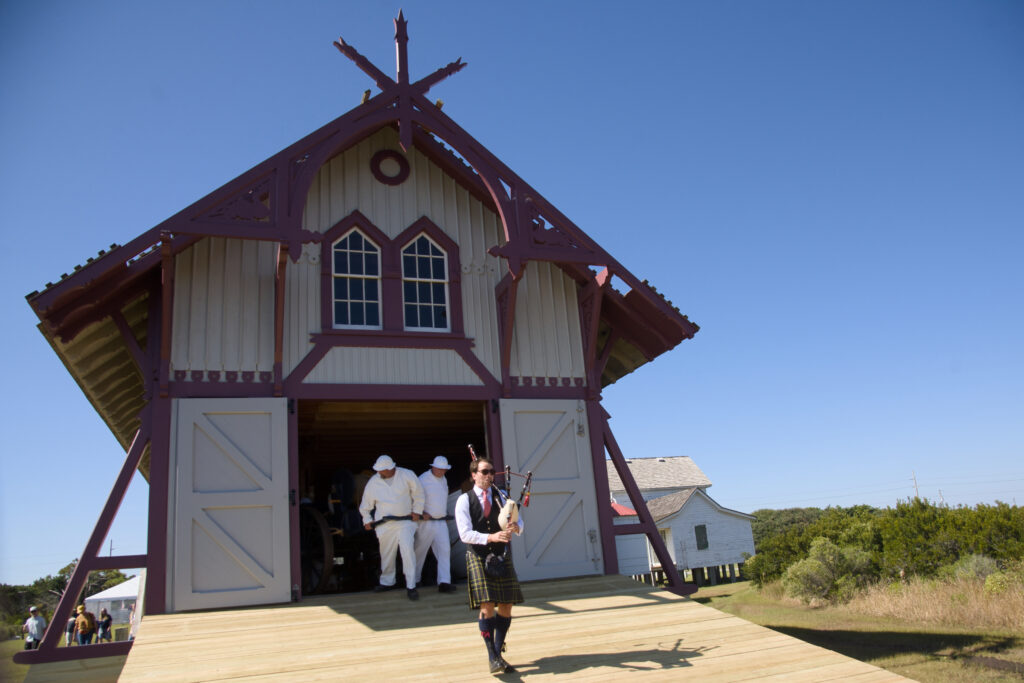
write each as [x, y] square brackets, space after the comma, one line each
[117, 600]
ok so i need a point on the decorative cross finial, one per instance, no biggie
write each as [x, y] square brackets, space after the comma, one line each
[401, 51]
[400, 90]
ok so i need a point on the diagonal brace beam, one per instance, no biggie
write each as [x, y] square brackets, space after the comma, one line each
[646, 525]
[89, 559]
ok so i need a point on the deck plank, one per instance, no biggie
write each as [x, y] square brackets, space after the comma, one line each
[593, 628]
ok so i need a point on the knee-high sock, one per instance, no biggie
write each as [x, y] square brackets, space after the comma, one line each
[487, 631]
[501, 625]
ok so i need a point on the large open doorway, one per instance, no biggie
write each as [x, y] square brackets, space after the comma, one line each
[338, 443]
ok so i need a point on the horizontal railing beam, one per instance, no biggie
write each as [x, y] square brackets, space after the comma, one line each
[117, 562]
[65, 654]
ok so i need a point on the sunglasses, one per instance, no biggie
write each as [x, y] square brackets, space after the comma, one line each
[485, 471]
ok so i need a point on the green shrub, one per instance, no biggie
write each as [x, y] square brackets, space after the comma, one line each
[916, 538]
[969, 567]
[829, 573]
[998, 583]
[1012, 576]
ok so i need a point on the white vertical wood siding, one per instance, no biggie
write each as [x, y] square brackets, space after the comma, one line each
[547, 341]
[224, 306]
[729, 535]
[345, 184]
[392, 366]
[224, 288]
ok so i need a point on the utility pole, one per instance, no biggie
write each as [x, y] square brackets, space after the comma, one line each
[913, 476]
[111, 553]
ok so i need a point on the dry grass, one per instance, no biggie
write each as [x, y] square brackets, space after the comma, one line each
[960, 603]
[911, 634]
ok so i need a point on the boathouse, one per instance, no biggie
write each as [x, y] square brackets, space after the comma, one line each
[383, 285]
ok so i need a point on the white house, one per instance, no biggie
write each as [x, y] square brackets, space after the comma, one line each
[702, 537]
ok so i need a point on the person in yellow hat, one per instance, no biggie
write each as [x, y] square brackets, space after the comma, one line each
[85, 626]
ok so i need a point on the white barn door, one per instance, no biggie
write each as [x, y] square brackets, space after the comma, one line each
[230, 513]
[562, 533]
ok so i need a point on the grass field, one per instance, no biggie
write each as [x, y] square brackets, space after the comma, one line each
[9, 671]
[915, 648]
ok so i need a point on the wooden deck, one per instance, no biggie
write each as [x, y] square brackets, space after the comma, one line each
[595, 628]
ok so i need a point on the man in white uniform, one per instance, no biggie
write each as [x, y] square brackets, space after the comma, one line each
[432, 533]
[392, 504]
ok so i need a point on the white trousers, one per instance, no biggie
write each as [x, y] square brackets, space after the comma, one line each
[392, 537]
[433, 535]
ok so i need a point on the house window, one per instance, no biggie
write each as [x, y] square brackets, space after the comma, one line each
[425, 285]
[701, 531]
[356, 281]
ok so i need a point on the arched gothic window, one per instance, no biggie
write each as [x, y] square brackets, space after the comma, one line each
[425, 285]
[356, 281]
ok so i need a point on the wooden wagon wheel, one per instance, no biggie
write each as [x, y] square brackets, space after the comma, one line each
[316, 550]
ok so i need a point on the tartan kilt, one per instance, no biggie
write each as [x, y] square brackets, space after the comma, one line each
[483, 588]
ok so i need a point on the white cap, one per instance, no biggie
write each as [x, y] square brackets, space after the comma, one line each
[384, 462]
[441, 463]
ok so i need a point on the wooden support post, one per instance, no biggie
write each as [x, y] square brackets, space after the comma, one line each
[597, 423]
[505, 296]
[166, 314]
[279, 294]
[293, 512]
[159, 482]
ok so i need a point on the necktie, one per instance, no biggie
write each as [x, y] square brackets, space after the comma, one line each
[487, 504]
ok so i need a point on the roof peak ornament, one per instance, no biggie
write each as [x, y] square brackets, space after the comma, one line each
[399, 88]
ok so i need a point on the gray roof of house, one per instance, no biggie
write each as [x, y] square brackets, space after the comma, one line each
[664, 506]
[659, 473]
[668, 505]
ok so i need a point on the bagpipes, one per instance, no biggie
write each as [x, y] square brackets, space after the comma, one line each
[509, 513]
[495, 565]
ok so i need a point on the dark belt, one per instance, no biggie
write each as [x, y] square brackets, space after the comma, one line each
[388, 518]
[488, 548]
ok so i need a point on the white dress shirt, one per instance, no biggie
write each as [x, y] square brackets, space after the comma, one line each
[467, 533]
[396, 496]
[435, 492]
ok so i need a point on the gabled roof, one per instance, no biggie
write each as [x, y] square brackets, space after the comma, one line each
[267, 203]
[663, 507]
[659, 473]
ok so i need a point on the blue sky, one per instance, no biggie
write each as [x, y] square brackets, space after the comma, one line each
[833, 191]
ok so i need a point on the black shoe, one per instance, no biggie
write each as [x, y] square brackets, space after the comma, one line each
[509, 669]
[413, 594]
[446, 588]
[381, 588]
[498, 666]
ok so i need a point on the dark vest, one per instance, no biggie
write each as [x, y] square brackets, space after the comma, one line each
[488, 525]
